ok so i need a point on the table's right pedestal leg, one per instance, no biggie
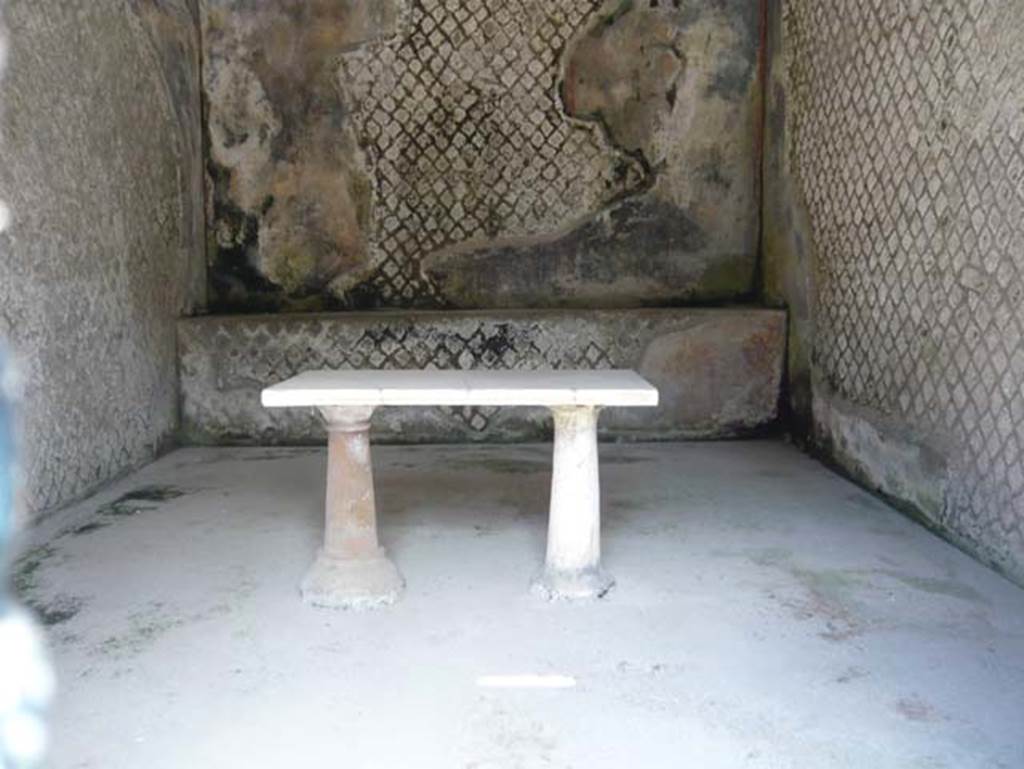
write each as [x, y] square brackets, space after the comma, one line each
[352, 570]
[572, 568]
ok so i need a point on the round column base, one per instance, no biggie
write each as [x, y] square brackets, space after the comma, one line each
[588, 584]
[352, 583]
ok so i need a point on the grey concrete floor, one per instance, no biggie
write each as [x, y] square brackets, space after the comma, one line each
[767, 614]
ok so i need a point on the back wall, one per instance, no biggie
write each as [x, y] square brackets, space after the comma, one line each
[431, 154]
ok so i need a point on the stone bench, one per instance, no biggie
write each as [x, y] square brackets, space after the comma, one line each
[352, 569]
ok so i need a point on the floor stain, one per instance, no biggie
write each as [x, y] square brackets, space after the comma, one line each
[140, 500]
[147, 626]
[55, 611]
[916, 709]
[638, 502]
[144, 628]
[851, 674]
[89, 528]
[766, 556]
[281, 454]
[26, 569]
[827, 599]
[51, 611]
[935, 586]
[621, 459]
[831, 595]
[510, 466]
[253, 455]
[866, 502]
[500, 738]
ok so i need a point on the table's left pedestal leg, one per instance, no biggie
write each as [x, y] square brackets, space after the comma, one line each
[352, 570]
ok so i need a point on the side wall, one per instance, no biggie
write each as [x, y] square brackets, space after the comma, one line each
[101, 165]
[894, 215]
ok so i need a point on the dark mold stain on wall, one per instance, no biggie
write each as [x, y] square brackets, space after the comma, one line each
[422, 153]
[290, 204]
[634, 238]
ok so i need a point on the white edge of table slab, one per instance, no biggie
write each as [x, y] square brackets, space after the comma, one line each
[462, 388]
[296, 398]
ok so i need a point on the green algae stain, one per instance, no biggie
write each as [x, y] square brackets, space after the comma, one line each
[52, 611]
[56, 611]
[26, 569]
[139, 500]
[512, 466]
[935, 586]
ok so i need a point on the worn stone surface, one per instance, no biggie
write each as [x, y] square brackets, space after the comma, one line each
[718, 370]
[459, 154]
[764, 609]
[900, 153]
[100, 141]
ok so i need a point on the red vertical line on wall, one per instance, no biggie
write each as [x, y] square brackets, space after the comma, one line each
[760, 130]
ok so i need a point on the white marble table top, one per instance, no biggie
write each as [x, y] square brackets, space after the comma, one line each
[463, 388]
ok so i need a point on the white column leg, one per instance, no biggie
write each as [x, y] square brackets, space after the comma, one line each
[573, 565]
[352, 570]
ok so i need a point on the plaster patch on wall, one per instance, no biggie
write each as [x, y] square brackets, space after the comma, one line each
[290, 201]
[674, 84]
[467, 138]
[722, 376]
[886, 457]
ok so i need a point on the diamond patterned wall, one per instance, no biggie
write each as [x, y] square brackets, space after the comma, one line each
[462, 346]
[718, 370]
[907, 138]
[93, 268]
